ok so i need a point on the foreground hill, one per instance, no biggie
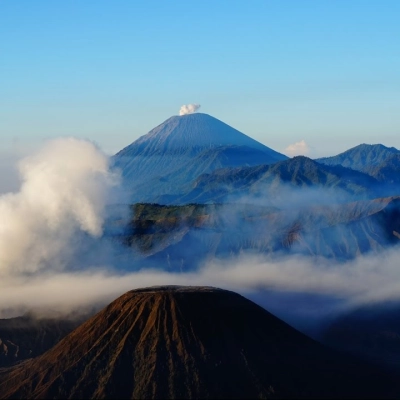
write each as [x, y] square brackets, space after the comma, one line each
[183, 237]
[183, 147]
[190, 342]
[372, 331]
[29, 336]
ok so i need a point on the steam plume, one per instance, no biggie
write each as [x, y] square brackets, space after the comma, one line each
[63, 192]
[189, 109]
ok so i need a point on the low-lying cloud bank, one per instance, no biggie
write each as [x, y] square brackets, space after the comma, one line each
[367, 279]
[57, 219]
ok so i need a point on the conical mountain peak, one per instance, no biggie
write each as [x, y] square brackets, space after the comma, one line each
[192, 133]
[166, 160]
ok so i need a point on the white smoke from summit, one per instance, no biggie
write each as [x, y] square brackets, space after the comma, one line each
[189, 109]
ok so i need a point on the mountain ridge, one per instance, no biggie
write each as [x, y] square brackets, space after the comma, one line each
[361, 157]
[262, 180]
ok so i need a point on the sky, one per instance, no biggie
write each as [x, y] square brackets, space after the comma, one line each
[312, 76]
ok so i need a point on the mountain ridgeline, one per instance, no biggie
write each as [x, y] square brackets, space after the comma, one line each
[198, 159]
[362, 157]
[270, 182]
[377, 161]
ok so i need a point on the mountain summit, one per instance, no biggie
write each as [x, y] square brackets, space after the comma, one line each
[380, 162]
[191, 134]
[182, 148]
[362, 157]
[189, 342]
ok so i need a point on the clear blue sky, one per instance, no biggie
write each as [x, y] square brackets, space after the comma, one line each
[327, 72]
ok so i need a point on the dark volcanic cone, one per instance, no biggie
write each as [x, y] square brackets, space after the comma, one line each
[186, 342]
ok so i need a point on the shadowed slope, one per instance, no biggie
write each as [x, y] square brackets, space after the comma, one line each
[372, 331]
[274, 181]
[183, 342]
[388, 171]
[28, 336]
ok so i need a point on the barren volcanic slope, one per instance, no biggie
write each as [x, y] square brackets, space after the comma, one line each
[183, 342]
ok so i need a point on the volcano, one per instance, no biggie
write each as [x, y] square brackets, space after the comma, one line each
[190, 342]
[173, 154]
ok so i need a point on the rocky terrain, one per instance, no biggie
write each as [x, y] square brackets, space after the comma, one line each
[182, 237]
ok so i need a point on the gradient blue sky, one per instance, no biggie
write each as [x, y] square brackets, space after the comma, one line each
[327, 72]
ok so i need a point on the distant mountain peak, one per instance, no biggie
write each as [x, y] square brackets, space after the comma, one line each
[173, 154]
[371, 145]
[301, 159]
[299, 162]
[193, 133]
[361, 157]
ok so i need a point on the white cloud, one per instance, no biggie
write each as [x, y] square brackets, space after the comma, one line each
[366, 279]
[297, 149]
